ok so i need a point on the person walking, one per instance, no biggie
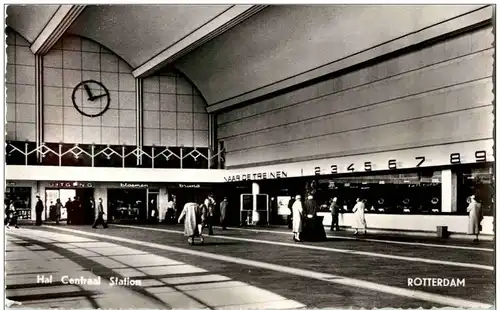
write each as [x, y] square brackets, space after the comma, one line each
[100, 216]
[475, 217]
[335, 210]
[58, 206]
[359, 215]
[223, 208]
[297, 211]
[192, 222]
[11, 215]
[38, 211]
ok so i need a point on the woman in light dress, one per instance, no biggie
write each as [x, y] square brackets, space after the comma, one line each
[192, 223]
[475, 217]
[297, 211]
[359, 216]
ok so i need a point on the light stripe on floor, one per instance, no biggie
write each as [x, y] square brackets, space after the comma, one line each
[435, 245]
[329, 249]
[184, 291]
[413, 294]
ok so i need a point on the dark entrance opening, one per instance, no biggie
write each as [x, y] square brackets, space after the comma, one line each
[127, 205]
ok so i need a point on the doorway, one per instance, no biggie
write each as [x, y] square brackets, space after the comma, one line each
[85, 216]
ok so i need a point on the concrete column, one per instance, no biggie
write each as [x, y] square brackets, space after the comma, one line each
[139, 111]
[255, 192]
[39, 104]
[448, 191]
[163, 197]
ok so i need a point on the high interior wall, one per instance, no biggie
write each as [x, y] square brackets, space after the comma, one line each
[174, 113]
[439, 94]
[20, 84]
[72, 60]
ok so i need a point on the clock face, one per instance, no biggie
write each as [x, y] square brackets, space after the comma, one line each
[91, 98]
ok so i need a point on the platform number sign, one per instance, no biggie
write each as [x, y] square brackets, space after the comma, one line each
[455, 158]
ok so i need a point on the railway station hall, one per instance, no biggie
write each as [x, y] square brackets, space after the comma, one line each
[267, 156]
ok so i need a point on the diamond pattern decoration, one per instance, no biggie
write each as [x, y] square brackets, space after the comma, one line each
[138, 152]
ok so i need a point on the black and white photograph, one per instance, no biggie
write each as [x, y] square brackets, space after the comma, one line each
[236, 156]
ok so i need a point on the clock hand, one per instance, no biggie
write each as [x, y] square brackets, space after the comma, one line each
[87, 89]
[98, 96]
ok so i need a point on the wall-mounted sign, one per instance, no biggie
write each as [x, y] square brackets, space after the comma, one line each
[256, 176]
[134, 185]
[67, 184]
[189, 186]
[441, 155]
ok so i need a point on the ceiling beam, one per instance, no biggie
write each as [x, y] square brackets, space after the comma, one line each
[64, 17]
[225, 21]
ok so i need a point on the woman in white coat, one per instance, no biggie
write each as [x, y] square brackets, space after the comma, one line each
[359, 216]
[297, 211]
[475, 217]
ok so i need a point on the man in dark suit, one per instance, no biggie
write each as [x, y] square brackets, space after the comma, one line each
[335, 210]
[38, 211]
[223, 210]
[100, 213]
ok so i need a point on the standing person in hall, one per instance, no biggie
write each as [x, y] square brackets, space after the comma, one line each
[100, 213]
[475, 217]
[209, 219]
[69, 211]
[290, 216]
[58, 207]
[77, 211]
[223, 209]
[310, 230]
[192, 223]
[359, 215]
[170, 216]
[297, 211]
[38, 211]
[335, 210]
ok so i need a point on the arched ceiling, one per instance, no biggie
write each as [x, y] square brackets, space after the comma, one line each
[29, 20]
[139, 32]
[234, 53]
[284, 41]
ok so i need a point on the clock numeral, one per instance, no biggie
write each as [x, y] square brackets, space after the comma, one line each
[480, 156]
[333, 169]
[422, 159]
[351, 167]
[317, 170]
[368, 166]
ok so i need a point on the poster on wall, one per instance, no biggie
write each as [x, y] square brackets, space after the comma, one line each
[283, 205]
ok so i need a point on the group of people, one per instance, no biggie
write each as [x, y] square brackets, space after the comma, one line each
[164, 213]
[474, 210]
[305, 223]
[197, 216]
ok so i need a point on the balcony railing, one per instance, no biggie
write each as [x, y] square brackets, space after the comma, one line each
[92, 155]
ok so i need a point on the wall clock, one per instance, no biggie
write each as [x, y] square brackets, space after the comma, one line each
[94, 97]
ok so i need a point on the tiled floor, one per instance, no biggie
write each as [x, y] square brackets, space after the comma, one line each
[177, 279]
[147, 280]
